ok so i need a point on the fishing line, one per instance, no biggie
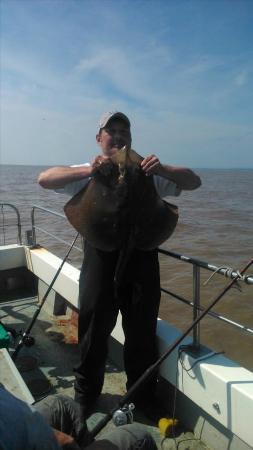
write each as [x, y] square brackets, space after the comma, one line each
[183, 349]
[228, 274]
[201, 358]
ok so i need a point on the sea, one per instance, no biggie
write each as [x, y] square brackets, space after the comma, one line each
[215, 226]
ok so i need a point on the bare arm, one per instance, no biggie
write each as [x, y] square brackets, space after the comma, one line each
[183, 177]
[58, 177]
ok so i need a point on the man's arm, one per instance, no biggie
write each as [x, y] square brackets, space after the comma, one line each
[183, 177]
[58, 177]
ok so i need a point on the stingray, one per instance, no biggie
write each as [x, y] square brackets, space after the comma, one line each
[120, 209]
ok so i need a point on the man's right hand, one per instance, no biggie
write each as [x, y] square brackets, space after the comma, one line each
[65, 440]
[101, 164]
[98, 161]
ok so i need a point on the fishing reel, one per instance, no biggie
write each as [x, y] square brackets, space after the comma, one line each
[27, 339]
[123, 415]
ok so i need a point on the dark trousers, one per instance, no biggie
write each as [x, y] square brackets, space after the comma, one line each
[62, 413]
[138, 299]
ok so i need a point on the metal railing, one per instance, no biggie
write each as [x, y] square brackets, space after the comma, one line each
[196, 265]
[195, 304]
[35, 227]
[3, 225]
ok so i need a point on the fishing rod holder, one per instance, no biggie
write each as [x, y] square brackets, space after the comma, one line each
[196, 305]
[28, 340]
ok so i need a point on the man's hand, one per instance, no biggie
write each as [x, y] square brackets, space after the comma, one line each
[65, 441]
[183, 177]
[96, 163]
[101, 164]
[151, 165]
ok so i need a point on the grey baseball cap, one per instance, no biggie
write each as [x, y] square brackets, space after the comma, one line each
[113, 115]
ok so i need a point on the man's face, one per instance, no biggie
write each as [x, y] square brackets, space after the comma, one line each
[114, 136]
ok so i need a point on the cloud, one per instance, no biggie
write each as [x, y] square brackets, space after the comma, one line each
[241, 78]
[34, 135]
[29, 69]
[180, 95]
[114, 68]
[203, 64]
[128, 71]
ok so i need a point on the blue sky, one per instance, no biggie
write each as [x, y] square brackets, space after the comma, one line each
[181, 70]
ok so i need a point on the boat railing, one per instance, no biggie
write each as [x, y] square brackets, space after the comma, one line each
[197, 265]
[32, 238]
[4, 225]
[195, 304]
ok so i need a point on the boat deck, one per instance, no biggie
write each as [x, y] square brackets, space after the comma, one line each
[47, 367]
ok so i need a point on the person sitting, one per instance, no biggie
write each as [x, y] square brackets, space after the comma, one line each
[54, 423]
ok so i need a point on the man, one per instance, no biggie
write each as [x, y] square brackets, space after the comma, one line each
[22, 427]
[54, 423]
[138, 299]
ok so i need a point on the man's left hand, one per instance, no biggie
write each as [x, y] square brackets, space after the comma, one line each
[151, 165]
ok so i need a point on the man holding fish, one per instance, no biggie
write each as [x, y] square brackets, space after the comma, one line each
[138, 293]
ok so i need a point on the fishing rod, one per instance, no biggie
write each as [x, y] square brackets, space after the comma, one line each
[26, 335]
[146, 375]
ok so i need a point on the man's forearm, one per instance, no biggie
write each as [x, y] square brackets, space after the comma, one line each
[58, 177]
[184, 178]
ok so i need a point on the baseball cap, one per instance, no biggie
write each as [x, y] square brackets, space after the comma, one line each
[113, 115]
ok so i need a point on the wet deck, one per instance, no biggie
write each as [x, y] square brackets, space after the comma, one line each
[55, 352]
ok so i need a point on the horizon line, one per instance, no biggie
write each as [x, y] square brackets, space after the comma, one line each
[194, 167]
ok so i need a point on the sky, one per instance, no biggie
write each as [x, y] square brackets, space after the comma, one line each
[182, 70]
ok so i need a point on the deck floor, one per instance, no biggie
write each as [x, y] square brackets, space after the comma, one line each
[56, 354]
